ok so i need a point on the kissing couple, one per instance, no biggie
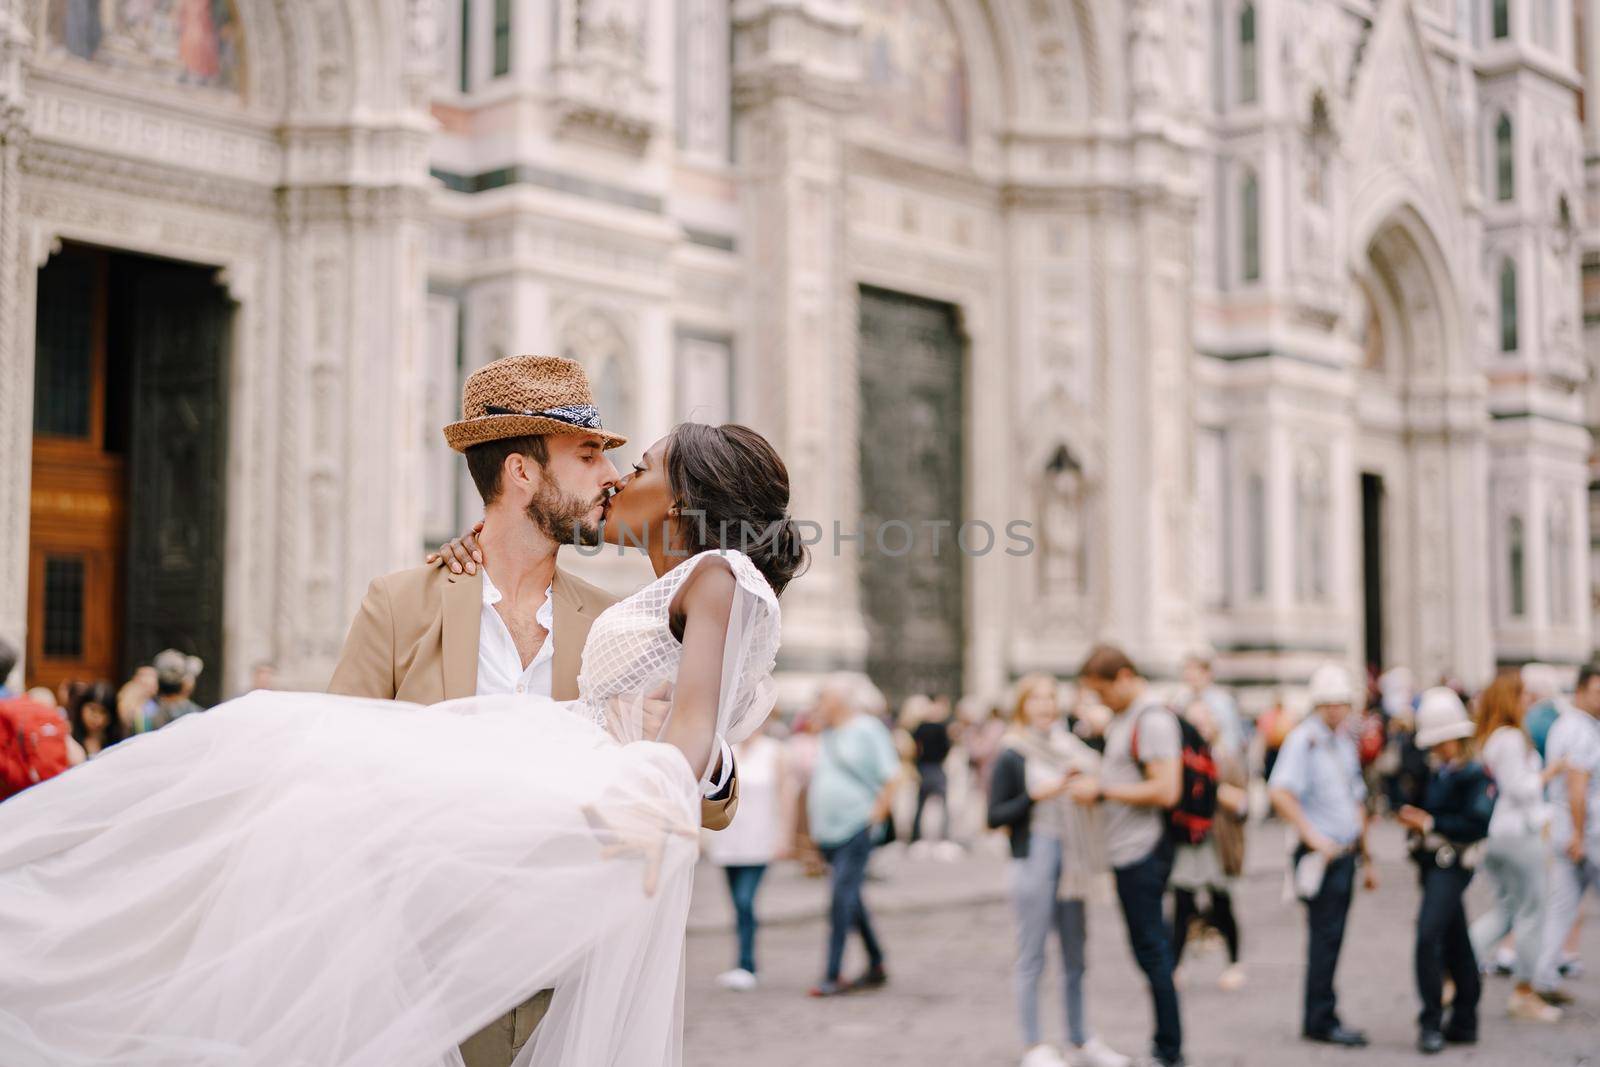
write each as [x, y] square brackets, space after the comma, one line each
[479, 848]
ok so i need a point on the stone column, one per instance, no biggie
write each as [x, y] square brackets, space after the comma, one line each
[1144, 258]
[16, 365]
[350, 377]
[796, 76]
[1144, 254]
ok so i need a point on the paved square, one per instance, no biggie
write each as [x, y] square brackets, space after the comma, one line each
[950, 999]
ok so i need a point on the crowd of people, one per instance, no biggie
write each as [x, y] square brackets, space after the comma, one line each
[44, 731]
[1111, 788]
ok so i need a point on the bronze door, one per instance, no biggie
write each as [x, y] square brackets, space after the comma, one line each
[912, 423]
[180, 323]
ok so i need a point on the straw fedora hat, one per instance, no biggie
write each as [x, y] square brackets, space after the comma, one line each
[520, 396]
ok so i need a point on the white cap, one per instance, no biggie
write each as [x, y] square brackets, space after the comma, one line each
[1441, 717]
[1330, 684]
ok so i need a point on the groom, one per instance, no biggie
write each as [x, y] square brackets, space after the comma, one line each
[535, 447]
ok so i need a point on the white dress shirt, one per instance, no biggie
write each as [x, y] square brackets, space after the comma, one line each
[500, 669]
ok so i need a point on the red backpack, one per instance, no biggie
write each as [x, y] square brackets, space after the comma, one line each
[33, 744]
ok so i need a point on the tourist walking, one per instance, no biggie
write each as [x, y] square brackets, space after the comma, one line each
[1212, 866]
[1574, 744]
[931, 743]
[1200, 679]
[1140, 777]
[1514, 859]
[1058, 861]
[748, 844]
[1316, 787]
[1447, 831]
[176, 674]
[850, 795]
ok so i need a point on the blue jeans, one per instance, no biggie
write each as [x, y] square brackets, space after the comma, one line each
[1033, 894]
[1142, 889]
[849, 862]
[742, 885]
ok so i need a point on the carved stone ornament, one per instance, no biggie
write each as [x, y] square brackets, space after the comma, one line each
[602, 88]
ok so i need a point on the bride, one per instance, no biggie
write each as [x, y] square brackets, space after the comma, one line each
[303, 879]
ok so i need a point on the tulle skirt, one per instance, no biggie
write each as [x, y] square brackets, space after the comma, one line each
[301, 879]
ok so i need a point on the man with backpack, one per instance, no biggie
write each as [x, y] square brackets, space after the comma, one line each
[1316, 787]
[1141, 777]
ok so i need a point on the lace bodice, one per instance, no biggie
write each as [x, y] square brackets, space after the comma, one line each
[631, 653]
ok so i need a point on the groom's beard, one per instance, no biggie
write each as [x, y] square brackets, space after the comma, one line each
[562, 517]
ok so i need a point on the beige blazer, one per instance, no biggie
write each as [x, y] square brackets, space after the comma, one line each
[415, 638]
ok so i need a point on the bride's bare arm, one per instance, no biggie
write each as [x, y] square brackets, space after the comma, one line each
[706, 601]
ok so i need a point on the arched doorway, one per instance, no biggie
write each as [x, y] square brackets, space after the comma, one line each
[213, 245]
[1420, 454]
[126, 533]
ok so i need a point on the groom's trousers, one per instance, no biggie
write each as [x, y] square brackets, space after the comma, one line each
[497, 1044]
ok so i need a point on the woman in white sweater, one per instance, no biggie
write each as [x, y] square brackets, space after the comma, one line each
[1515, 855]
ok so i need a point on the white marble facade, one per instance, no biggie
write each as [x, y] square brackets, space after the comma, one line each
[1213, 262]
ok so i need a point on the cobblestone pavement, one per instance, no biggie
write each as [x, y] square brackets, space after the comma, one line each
[947, 931]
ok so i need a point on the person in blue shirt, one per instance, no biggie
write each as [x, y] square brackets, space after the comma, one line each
[848, 797]
[1316, 787]
[1457, 803]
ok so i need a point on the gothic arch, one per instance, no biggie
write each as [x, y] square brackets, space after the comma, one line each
[1027, 61]
[1050, 56]
[1399, 252]
[336, 56]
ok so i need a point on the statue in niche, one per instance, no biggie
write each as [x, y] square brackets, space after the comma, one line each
[1560, 282]
[1062, 511]
[1147, 49]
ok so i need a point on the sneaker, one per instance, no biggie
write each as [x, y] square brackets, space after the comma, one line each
[875, 977]
[1554, 997]
[1096, 1053]
[739, 980]
[1526, 1004]
[1231, 980]
[1042, 1056]
[1570, 967]
[827, 989]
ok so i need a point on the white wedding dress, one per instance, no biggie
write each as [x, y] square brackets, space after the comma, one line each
[296, 879]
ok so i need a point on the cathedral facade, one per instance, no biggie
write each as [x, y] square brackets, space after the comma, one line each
[1254, 328]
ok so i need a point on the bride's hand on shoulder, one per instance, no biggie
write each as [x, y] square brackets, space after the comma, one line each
[461, 555]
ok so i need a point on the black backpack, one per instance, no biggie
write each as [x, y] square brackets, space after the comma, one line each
[1189, 821]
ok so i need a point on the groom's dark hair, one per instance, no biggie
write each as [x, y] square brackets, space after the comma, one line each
[487, 460]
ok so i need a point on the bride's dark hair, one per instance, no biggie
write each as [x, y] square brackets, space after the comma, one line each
[734, 490]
